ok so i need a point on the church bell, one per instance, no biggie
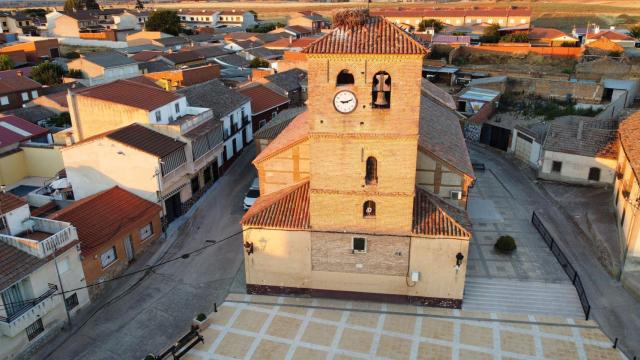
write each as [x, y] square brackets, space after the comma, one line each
[380, 87]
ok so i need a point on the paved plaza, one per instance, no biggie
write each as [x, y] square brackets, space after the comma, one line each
[266, 327]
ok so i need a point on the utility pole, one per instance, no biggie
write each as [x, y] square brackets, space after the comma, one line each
[55, 261]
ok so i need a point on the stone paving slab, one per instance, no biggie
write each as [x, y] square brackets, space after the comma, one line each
[265, 327]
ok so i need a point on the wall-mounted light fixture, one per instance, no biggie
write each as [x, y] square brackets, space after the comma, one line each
[459, 258]
[249, 247]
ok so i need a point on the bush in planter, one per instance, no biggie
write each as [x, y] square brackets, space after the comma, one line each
[505, 244]
[201, 317]
[150, 357]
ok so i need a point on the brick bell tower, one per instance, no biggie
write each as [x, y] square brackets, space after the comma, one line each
[364, 101]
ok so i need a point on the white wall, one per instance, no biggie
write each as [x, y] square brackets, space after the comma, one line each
[169, 110]
[15, 219]
[575, 168]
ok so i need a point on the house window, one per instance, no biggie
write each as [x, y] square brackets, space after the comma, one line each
[158, 116]
[35, 329]
[195, 185]
[344, 78]
[369, 209]
[594, 174]
[71, 301]
[4, 100]
[556, 166]
[109, 257]
[381, 90]
[371, 177]
[359, 245]
[146, 231]
[177, 107]
[262, 123]
[25, 96]
[34, 94]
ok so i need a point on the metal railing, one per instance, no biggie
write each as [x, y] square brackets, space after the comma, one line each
[30, 304]
[564, 262]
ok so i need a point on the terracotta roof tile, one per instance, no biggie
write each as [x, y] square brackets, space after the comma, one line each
[263, 98]
[145, 139]
[546, 33]
[10, 202]
[611, 35]
[297, 131]
[274, 127]
[284, 209]
[131, 93]
[434, 217]
[441, 135]
[106, 215]
[146, 55]
[11, 83]
[596, 138]
[377, 36]
[629, 134]
[14, 129]
[290, 43]
[15, 265]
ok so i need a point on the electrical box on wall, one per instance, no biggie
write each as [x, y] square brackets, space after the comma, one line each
[415, 276]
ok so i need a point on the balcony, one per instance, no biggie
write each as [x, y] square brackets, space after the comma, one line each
[193, 117]
[32, 310]
[42, 237]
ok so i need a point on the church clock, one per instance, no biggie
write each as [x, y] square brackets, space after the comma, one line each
[345, 101]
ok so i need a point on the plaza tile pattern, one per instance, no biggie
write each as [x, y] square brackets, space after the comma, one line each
[264, 327]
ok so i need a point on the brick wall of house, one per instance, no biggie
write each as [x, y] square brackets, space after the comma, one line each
[91, 261]
[284, 169]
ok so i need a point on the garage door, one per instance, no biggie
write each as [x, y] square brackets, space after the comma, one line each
[523, 147]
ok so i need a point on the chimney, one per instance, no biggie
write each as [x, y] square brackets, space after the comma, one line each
[290, 40]
[580, 128]
[19, 73]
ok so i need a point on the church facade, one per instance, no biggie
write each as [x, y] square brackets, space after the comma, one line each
[345, 210]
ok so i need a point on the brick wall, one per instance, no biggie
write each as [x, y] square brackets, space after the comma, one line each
[386, 255]
[574, 52]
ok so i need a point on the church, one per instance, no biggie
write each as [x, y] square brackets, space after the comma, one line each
[363, 195]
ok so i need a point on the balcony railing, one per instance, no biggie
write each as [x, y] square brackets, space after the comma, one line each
[61, 234]
[30, 304]
[193, 117]
[245, 120]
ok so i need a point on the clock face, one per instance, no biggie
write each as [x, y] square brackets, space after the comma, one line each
[345, 101]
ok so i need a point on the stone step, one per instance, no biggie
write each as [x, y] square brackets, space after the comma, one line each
[525, 297]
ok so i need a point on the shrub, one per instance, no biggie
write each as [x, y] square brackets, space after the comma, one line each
[149, 357]
[505, 244]
[201, 317]
[72, 55]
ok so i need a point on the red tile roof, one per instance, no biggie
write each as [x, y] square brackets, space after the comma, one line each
[12, 83]
[14, 129]
[629, 131]
[376, 36]
[59, 98]
[290, 43]
[106, 216]
[15, 265]
[145, 139]
[539, 33]
[131, 93]
[296, 132]
[611, 35]
[10, 202]
[262, 98]
[146, 55]
[284, 209]
[434, 217]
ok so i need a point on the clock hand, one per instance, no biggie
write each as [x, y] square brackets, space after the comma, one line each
[344, 102]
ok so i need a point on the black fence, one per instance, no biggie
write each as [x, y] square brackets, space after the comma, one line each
[564, 262]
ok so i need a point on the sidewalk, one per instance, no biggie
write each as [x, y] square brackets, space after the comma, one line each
[617, 312]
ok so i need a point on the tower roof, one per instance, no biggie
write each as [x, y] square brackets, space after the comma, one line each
[357, 32]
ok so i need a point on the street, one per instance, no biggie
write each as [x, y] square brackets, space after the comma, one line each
[615, 310]
[158, 310]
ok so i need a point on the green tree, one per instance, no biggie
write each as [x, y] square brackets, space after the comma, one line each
[491, 34]
[47, 73]
[517, 37]
[437, 25]
[259, 63]
[635, 31]
[139, 5]
[5, 63]
[166, 21]
[63, 120]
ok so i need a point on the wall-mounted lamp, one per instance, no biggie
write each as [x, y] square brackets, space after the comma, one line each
[249, 247]
[459, 258]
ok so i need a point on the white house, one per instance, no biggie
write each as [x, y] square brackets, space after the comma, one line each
[32, 302]
[105, 67]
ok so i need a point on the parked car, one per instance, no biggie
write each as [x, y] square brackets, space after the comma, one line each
[252, 194]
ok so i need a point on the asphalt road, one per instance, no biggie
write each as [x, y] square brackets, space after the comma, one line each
[157, 309]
